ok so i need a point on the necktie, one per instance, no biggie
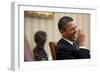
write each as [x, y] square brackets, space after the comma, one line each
[75, 45]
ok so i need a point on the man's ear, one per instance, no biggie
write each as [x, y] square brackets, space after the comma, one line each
[62, 32]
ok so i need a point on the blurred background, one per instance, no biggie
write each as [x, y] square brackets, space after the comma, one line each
[48, 22]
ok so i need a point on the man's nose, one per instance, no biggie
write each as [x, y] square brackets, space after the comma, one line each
[75, 30]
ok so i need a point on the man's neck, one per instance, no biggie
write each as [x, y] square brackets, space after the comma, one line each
[71, 42]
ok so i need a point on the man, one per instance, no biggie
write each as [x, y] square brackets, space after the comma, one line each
[67, 47]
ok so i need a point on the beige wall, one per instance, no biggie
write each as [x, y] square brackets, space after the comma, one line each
[33, 24]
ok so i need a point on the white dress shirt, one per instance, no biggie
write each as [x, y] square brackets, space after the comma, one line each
[68, 41]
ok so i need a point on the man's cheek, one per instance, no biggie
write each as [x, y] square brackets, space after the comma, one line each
[73, 34]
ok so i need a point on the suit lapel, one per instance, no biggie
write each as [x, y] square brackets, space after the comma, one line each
[68, 45]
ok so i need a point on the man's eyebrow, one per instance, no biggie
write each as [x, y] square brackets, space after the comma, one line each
[73, 27]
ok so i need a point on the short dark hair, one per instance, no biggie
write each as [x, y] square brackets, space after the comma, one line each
[63, 21]
[40, 37]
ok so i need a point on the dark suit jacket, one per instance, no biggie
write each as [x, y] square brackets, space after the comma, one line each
[84, 53]
[66, 51]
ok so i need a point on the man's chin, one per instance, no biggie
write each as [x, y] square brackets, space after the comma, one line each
[74, 38]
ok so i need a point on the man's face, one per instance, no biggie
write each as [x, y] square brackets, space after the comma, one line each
[70, 31]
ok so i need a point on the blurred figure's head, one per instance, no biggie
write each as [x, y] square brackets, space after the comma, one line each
[81, 38]
[40, 38]
[68, 28]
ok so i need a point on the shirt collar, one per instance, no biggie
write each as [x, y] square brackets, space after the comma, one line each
[68, 41]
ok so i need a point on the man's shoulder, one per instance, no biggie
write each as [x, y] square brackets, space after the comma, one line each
[62, 44]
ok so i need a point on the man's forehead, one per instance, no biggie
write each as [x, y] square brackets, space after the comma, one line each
[72, 23]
